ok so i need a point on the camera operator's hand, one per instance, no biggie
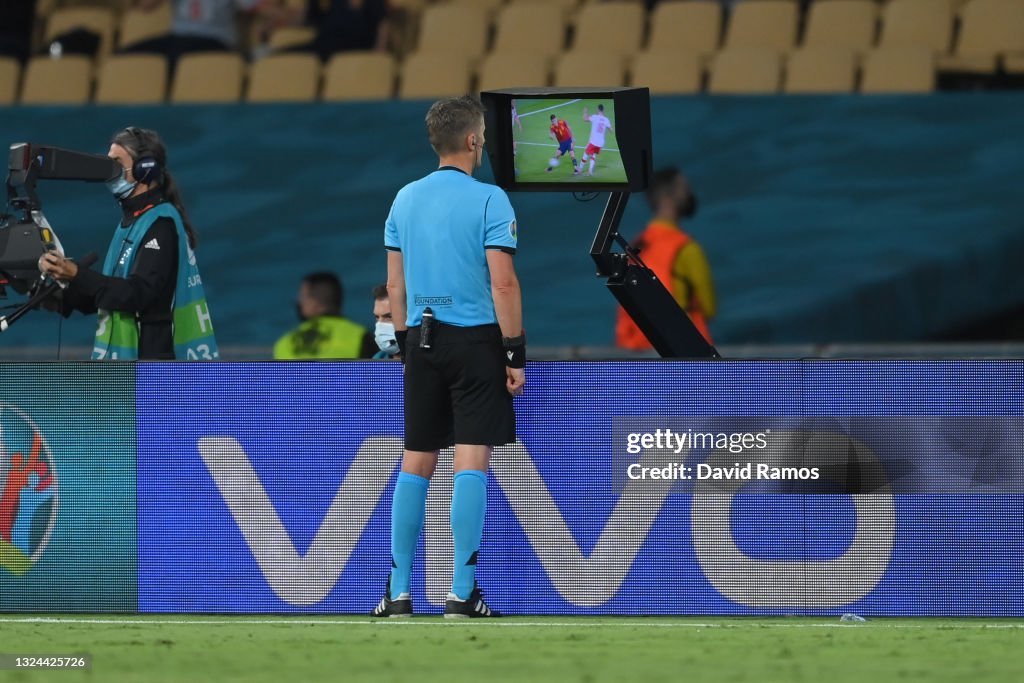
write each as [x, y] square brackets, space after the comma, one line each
[56, 266]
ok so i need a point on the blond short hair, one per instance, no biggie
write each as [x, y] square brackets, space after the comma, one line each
[450, 120]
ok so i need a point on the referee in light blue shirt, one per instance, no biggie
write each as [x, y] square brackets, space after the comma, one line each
[450, 242]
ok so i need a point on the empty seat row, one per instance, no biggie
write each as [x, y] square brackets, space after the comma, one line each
[135, 25]
[199, 78]
[207, 78]
[988, 27]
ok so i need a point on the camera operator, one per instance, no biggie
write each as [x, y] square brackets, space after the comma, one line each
[455, 298]
[149, 296]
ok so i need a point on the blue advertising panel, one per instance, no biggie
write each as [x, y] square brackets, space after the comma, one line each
[660, 487]
[67, 503]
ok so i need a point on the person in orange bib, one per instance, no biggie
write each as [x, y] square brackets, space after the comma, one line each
[674, 256]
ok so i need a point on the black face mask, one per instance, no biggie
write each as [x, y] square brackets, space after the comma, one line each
[688, 207]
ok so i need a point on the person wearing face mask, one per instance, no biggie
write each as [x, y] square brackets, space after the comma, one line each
[674, 256]
[149, 296]
[458, 316]
[384, 329]
[323, 332]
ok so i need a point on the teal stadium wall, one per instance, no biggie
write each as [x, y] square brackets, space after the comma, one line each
[826, 219]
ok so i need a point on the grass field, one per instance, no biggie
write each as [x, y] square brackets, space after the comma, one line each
[534, 649]
[536, 147]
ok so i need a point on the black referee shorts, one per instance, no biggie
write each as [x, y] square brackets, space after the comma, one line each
[455, 391]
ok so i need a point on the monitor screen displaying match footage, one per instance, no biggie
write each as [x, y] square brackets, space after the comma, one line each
[566, 141]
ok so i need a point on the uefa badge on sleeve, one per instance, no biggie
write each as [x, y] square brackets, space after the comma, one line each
[512, 232]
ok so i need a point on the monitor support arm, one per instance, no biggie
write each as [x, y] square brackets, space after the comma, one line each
[638, 290]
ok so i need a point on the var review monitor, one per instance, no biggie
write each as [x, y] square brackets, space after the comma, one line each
[569, 139]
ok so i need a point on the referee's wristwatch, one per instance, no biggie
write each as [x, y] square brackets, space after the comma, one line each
[515, 351]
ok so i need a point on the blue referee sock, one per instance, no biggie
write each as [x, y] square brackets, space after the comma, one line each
[407, 508]
[469, 506]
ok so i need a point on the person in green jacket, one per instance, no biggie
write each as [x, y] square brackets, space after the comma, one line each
[324, 333]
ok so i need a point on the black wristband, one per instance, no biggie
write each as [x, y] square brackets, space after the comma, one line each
[400, 336]
[515, 351]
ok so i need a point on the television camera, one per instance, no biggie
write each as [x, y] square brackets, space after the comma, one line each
[25, 234]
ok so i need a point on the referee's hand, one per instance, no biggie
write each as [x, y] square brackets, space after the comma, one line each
[515, 380]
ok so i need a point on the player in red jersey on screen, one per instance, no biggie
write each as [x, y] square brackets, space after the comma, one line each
[599, 125]
[562, 134]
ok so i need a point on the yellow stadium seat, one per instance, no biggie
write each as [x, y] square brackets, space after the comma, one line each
[529, 27]
[433, 75]
[763, 23]
[821, 70]
[667, 73]
[409, 5]
[284, 78]
[512, 70]
[403, 21]
[745, 71]
[614, 26]
[132, 79]
[960, 5]
[988, 29]
[291, 36]
[908, 23]
[685, 26]
[44, 8]
[847, 24]
[899, 70]
[457, 29]
[117, 6]
[1014, 64]
[491, 7]
[57, 81]
[359, 76]
[585, 68]
[138, 25]
[565, 7]
[99, 20]
[207, 78]
[10, 72]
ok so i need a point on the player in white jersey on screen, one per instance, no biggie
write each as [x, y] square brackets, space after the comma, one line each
[599, 124]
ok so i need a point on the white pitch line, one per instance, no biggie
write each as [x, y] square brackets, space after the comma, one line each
[491, 623]
[553, 144]
[563, 104]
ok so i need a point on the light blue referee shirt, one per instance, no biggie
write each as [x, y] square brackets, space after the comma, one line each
[443, 224]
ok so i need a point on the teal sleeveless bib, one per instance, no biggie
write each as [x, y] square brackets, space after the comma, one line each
[117, 332]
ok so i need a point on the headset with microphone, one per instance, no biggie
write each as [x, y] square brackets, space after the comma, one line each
[146, 168]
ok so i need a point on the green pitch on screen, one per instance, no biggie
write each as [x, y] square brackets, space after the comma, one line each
[535, 147]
